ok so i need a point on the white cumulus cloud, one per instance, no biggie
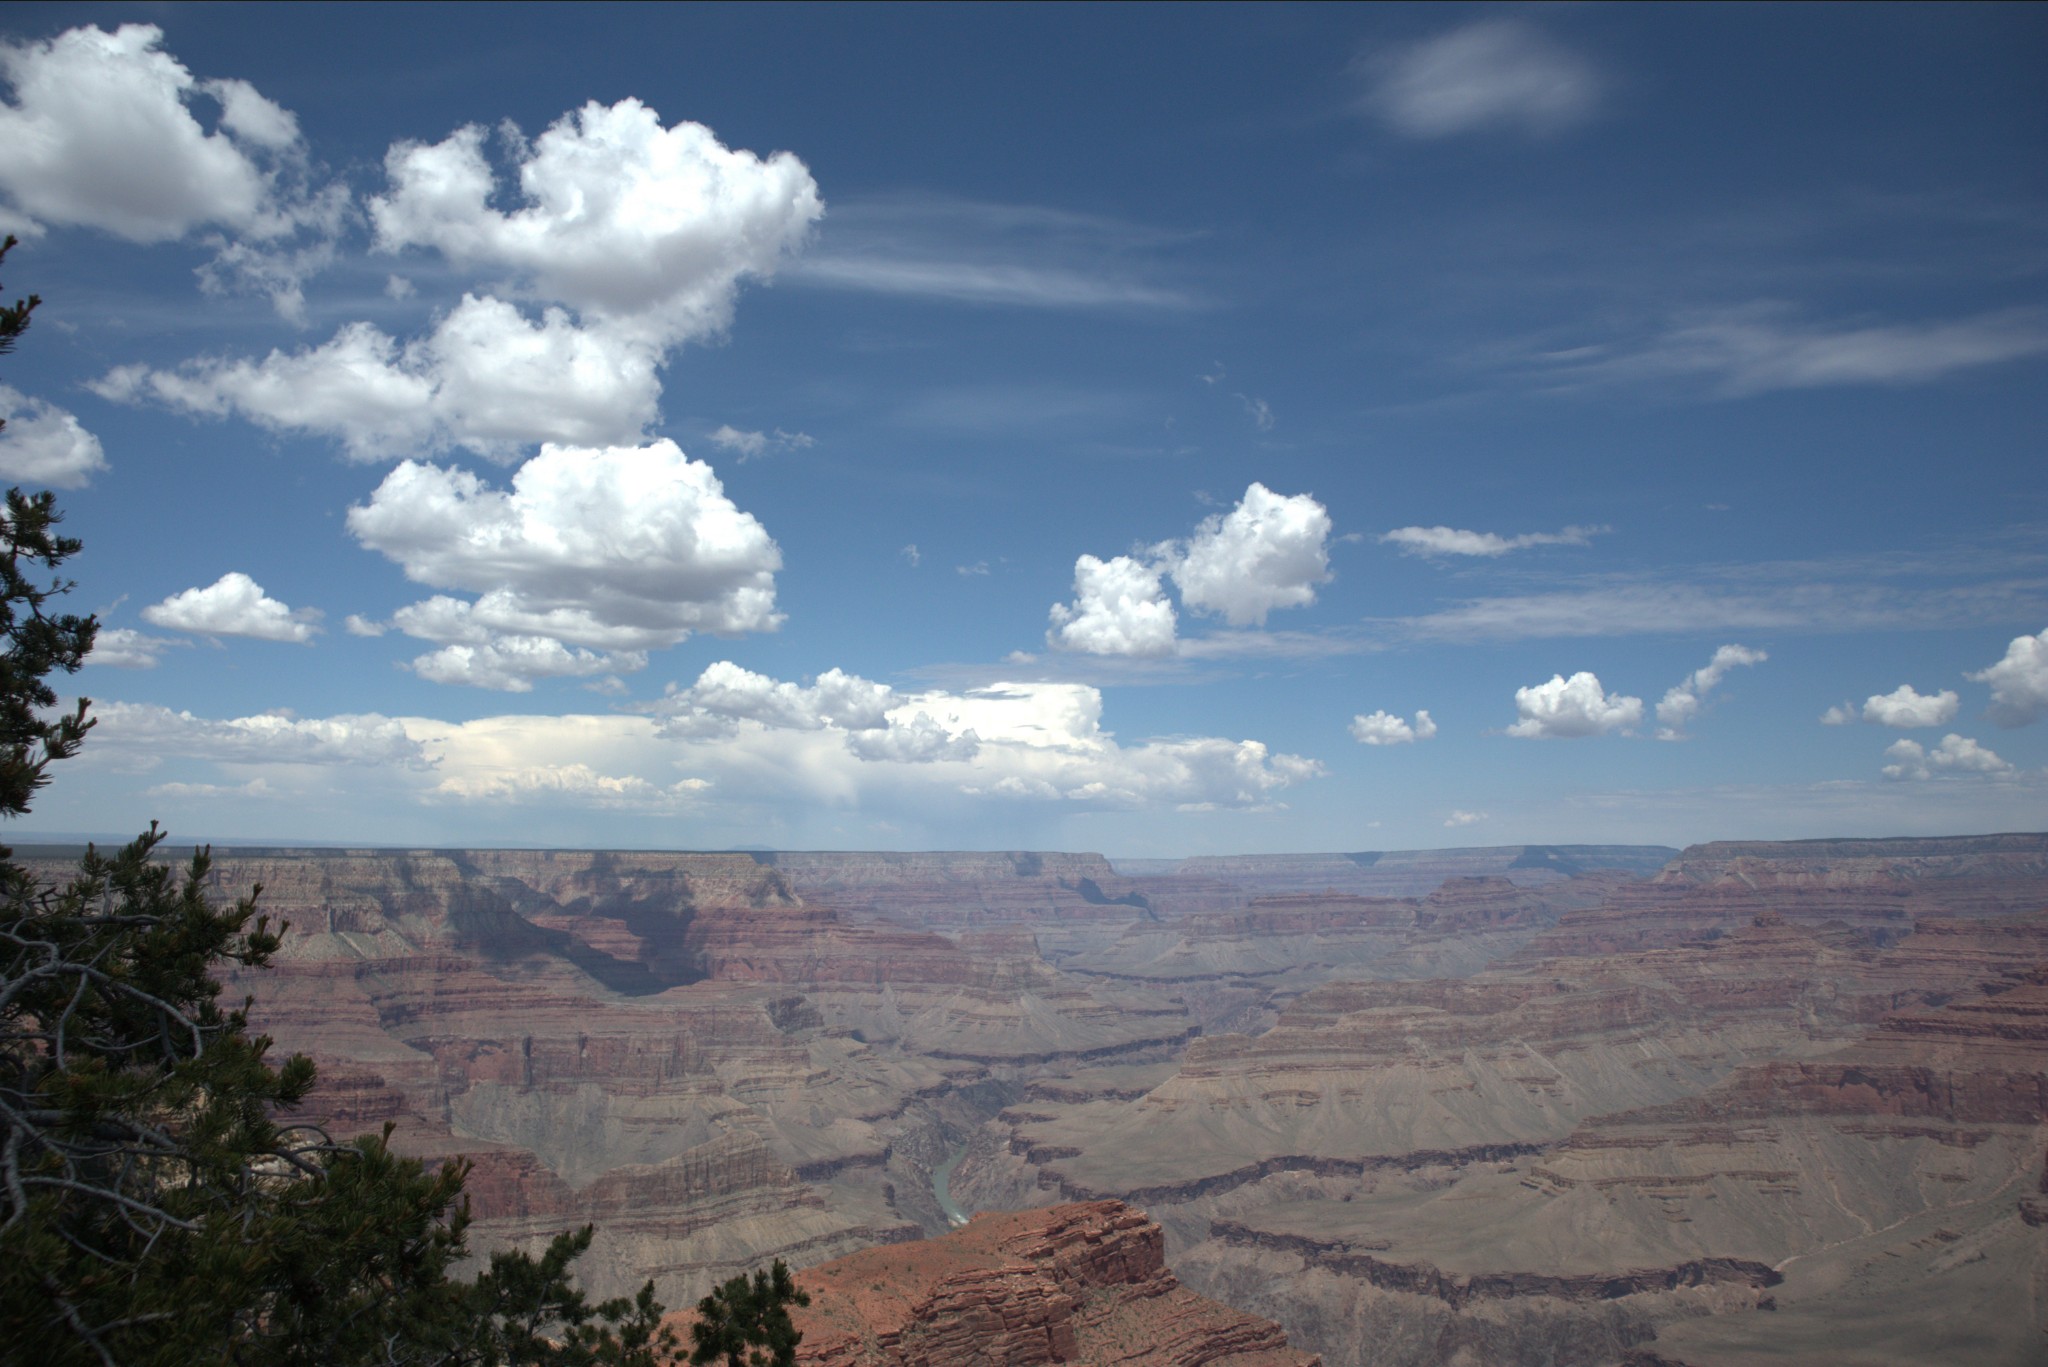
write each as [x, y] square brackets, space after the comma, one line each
[1119, 608]
[43, 444]
[1045, 742]
[917, 739]
[1385, 728]
[1955, 755]
[1434, 541]
[725, 693]
[1497, 73]
[1463, 818]
[624, 220]
[875, 722]
[1270, 551]
[1903, 707]
[940, 759]
[1578, 706]
[576, 783]
[181, 792]
[511, 663]
[271, 738]
[100, 134]
[628, 239]
[487, 378]
[753, 445]
[104, 132]
[126, 648]
[1682, 702]
[233, 605]
[2019, 681]
[616, 549]
[1038, 742]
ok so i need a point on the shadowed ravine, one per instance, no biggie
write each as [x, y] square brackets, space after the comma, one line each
[1759, 1104]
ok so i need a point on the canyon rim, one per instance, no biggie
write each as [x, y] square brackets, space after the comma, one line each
[1239, 684]
[1736, 1103]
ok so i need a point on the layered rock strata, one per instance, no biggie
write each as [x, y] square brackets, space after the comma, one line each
[1071, 1284]
[1516, 1106]
[672, 1047]
[1878, 887]
[1562, 1158]
[1406, 873]
[1364, 1074]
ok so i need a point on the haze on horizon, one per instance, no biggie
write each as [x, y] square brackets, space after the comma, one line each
[1155, 431]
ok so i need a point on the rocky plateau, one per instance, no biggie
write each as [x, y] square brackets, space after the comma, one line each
[1741, 1103]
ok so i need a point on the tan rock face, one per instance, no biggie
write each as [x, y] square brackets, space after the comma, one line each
[673, 1047]
[1070, 1284]
[1770, 1106]
[957, 890]
[1877, 886]
[1752, 1103]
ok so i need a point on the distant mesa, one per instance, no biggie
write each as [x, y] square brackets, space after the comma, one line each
[1748, 1102]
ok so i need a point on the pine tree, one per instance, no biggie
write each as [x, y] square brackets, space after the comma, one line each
[747, 1322]
[154, 1207]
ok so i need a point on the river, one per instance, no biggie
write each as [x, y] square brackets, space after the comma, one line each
[942, 1176]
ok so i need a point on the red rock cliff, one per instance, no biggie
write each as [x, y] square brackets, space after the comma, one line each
[1070, 1284]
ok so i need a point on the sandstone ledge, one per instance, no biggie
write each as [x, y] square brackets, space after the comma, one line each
[1078, 1284]
[1426, 1279]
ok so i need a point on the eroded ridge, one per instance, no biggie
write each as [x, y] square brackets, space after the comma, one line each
[1083, 1283]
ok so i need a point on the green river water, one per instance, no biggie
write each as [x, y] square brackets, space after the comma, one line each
[942, 1176]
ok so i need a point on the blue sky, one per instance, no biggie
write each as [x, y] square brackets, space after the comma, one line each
[1102, 428]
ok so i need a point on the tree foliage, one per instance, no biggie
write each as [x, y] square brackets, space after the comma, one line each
[32, 642]
[747, 1322]
[14, 317]
[154, 1207]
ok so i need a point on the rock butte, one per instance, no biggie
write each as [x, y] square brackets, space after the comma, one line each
[1067, 1284]
[1745, 1103]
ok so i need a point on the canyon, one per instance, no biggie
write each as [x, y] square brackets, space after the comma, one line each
[1744, 1102]
[1083, 1283]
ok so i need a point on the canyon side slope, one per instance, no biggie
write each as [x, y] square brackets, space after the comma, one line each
[1777, 1103]
[1082, 1283]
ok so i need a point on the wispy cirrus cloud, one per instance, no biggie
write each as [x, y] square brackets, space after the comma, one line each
[1672, 608]
[1440, 541]
[1010, 407]
[985, 282]
[1494, 75]
[971, 252]
[1760, 347]
[1988, 585]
